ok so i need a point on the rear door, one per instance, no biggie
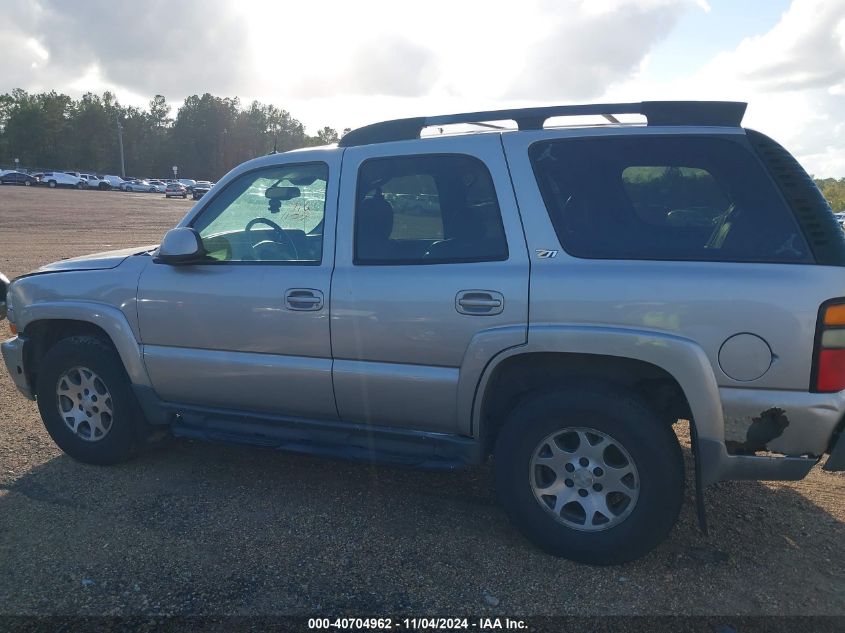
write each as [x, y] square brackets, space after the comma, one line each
[430, 256]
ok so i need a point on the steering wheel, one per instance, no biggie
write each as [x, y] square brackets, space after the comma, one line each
[276, 229]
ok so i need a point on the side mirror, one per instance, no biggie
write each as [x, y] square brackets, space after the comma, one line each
[181, 245]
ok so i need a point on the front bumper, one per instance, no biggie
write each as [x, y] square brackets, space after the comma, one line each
[13, 357]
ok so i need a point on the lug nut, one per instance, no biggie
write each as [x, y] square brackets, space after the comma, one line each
[584, 462]
[569, 483]
[597, 487]
[569, 468]
[598, 472]
[583, 492]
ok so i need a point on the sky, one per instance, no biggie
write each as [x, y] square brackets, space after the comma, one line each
[345, 64]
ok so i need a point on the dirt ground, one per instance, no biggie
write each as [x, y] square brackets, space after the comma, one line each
[194, 529]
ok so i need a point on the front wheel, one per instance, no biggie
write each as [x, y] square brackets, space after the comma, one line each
[589, 474]
[52, 184]
[86, 401]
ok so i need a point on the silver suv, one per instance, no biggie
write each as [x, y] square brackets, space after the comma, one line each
[554, 297]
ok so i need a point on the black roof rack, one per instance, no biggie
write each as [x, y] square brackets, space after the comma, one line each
[718, 113]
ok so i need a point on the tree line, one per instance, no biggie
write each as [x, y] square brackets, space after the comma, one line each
[834, 191]
[206, 138]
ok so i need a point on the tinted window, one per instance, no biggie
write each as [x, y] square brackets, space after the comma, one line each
[675, 198]
[272, 214]
[426, 210]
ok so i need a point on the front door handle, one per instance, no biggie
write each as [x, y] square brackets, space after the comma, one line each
[301, 299]
[479, 302]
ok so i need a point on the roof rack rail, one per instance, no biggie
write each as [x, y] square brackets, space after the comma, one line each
[704, 113]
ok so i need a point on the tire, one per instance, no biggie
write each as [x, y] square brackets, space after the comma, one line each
[51, 184]
[620, 422]
[126, 429]
[80, 186]
[26, 183]
[184, 196]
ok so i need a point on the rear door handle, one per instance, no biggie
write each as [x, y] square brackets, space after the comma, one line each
[479, 302]
[301, 299]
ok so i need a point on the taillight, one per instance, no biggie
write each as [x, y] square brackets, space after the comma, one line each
[829, 361]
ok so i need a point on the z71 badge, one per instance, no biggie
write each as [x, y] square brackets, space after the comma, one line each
[542, 253]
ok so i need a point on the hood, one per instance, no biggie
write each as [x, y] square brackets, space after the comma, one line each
[96, 261]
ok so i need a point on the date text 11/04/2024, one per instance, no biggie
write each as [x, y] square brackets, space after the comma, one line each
[415, 624]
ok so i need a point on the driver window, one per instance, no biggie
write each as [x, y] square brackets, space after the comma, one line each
[273, 214]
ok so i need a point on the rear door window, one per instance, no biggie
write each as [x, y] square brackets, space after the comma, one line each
[428, 209]
[665, 198]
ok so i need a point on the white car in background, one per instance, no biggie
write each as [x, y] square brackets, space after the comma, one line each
[114, 181]
[94, 182]
[189, 183]
[140, 185]
[55, 179]
[160, 185]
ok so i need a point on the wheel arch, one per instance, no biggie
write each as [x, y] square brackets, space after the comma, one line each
[44, 324]
[665, 369]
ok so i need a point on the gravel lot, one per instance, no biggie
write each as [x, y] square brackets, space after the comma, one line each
[193, 529]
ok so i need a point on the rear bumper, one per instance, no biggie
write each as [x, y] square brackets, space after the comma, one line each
[13, 357]
[799, 425]
[788, 422]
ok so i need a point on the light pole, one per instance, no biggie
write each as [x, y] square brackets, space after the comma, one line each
[120, 143]
[175, 171]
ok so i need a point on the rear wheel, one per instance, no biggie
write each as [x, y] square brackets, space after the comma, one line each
[86, 401]
[52, 184]
[26, 183]
[590, 474]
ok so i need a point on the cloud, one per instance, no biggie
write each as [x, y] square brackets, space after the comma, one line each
[386, 65]
[805, 50]
[791, 76]
[157, 47]
[593, 45]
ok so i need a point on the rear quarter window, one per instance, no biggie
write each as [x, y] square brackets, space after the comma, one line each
[665, 198]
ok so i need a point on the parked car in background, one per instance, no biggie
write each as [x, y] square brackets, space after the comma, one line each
[201, 188]
[160, 185]
[95, 182]
[176, 190]
[140, 185]
[55, 179]
[114, 181]
[99, 182]
[18, 178]
[189, 183]
[840, 217]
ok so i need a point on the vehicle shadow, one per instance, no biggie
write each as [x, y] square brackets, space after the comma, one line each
[193, 528]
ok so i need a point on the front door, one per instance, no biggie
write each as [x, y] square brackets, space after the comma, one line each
[430, 256]
[248, 329]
